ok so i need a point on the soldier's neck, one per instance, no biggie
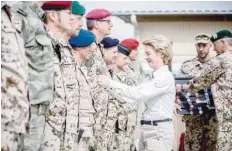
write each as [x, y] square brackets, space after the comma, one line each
[58, 33]
[228, 48]
[79, 59]
[131, 63]
[203, 60]
[67, 37]
[99, 36]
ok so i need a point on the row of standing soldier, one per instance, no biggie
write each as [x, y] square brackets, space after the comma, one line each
[40, 72]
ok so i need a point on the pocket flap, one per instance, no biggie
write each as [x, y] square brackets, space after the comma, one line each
[43, 40]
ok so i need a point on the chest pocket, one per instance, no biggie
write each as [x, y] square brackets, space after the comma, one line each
[39, 49]
[39, 40]
[43, 40]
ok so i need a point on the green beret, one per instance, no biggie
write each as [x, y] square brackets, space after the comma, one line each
[77, 8]
[220, 35]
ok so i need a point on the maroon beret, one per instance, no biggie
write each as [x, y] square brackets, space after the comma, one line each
[98, 14]
[56, 5]
[130, 43]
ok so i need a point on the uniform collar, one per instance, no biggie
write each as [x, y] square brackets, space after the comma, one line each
[58, 41]
[197, 61]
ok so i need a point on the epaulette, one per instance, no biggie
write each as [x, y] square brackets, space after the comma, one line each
[186, 61]
[20, 11]
[190, 60]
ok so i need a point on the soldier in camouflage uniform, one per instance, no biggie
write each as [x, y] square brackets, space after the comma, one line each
[218, 71]
[110, 54]
[99, 22]
[114, 107]
[197, 125]
[127, 113]
[14, 102]
[132, 45]
[40, 67]
[83, 45]
[61, 128]
[133, 79]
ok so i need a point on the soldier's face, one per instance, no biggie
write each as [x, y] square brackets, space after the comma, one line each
[110, 54]
[112, 66]
[133, 55]
[85, 52]
[154, 58]
[64, 20]
[219, 46]
[76, 22]
[104, 25]
[121, 61]
[203, 49]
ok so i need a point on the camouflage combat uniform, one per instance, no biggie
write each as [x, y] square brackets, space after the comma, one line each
[127, 116]
[14, 102]
[218, 71]
[110, 127]
[97, 66]
[134, 78]
[86, 110]
[197, 125]
[39, 53]
[61, 128]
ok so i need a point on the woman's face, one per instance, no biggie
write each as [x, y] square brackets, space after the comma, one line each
[154, 58]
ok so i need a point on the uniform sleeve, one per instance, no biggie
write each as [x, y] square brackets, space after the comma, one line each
[143, 91]
[186, 68]
[210, 73]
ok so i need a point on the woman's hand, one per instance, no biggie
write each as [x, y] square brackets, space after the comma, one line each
[176, 108]
[103, 80]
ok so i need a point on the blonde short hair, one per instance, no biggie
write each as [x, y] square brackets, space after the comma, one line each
[162, 44]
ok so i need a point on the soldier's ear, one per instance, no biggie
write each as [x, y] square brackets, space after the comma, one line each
[52, 15]
[96, 24]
